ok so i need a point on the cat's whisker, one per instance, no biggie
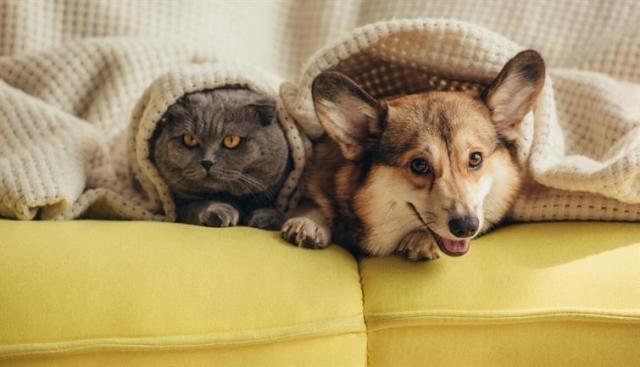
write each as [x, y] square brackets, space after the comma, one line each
[193, 173]
[237, 178]
[253, 183]
[256, 184]
[250, 187]
[246, 188]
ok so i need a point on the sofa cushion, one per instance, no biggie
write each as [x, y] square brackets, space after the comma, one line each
[137, 293]
[558, 294]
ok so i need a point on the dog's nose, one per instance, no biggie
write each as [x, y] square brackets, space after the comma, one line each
[464, 226]
[206, 163]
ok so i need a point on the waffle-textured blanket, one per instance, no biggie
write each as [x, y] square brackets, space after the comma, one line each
[74, 75]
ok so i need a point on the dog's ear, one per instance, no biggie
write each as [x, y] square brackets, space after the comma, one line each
[346, 112]
[514, 92]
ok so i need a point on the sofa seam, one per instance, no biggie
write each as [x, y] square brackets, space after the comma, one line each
[364, 316]
[345, 326]
[478, 318]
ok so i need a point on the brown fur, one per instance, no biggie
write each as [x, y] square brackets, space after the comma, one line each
[361, 189]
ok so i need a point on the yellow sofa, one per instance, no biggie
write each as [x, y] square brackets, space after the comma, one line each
[105, 293]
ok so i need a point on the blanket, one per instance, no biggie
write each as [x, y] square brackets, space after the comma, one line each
[66, 150]
[83, 82]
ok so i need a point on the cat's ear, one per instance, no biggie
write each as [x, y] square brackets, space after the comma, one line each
[347, 113]
[266, 109]
[514, 92]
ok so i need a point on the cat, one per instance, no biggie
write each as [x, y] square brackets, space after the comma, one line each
[224, 157]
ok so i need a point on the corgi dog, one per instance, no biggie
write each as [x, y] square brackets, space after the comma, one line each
[415, 173]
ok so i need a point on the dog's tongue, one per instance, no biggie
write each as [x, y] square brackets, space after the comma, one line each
[456, 247]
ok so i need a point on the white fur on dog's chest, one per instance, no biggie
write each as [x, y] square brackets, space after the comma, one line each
[384, 210]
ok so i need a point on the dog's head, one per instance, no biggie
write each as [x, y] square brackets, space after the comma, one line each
[444, 156]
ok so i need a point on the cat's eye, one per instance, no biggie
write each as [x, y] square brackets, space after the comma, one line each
[475, 160]
[190, 140]
[419, 166]
[231, 141]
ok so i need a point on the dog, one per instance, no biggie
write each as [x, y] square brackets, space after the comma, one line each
[415, 173]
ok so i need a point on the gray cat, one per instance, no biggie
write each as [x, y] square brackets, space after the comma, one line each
[224, 157]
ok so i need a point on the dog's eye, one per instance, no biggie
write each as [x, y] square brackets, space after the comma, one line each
[420, 166]
[475, 160]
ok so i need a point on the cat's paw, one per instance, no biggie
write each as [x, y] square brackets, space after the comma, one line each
[304, 232]
[418, 246]
[265, 218]
[218, 215]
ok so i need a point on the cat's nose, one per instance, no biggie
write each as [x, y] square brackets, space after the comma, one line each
[206, 163]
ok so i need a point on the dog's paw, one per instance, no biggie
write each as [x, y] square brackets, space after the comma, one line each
[218, 215]
[418, 246]
[265, 218]
[304, 232]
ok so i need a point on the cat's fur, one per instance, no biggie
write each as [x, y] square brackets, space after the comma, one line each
[241, 184]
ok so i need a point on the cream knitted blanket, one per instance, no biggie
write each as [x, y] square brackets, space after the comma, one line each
[71, 73]
[65, 151]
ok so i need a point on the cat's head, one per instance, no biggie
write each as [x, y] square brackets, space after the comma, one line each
[223, 140]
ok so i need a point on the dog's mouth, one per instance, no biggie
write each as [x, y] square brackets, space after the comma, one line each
[446, 245]
[451, 247]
